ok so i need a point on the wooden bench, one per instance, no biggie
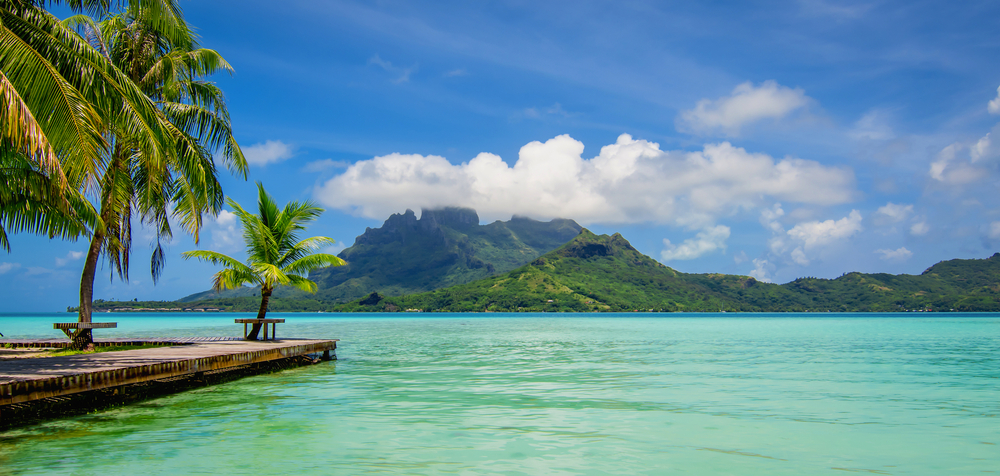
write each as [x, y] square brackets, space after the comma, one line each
[265, 322]
[71, 329]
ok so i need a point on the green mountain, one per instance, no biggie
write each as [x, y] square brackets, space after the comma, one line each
[407, 255]
[605, 273]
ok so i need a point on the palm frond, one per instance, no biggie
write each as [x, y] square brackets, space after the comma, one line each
[308, 263]
[304, 284]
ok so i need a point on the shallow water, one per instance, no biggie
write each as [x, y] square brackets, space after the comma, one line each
[555, 394]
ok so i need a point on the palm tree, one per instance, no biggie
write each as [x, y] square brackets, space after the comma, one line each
[274, 253]
[162, 59]
[84, 118]
[57, 97]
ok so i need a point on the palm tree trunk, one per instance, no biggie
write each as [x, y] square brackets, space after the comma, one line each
[85, 337]
[265, 296]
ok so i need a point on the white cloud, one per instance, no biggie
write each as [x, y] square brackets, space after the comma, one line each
[6, 267]
[799, 256]
[705, 242]
[981, 149]
[456, 72]
[760, 270]
[747, 104]
[269, 152]
[945, 169]
[994, 231]
[403, 74]
[226, 232]
[892, 213]
[950, 169]
[818, 233]
[920, 228]
[71, 256]
[807, 236]
[994, 105]
[630, 181]
[902, 254]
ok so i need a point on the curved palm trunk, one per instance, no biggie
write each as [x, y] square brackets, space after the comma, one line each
[265, 296]
[84, 337]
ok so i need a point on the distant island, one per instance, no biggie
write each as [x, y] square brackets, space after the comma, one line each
[447, 262]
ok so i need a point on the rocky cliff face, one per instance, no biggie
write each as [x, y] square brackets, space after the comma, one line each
[403, 227]
[444, 247]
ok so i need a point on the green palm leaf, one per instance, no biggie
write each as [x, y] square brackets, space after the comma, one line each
[275, 256]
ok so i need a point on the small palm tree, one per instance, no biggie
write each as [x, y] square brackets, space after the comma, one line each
[275, 254]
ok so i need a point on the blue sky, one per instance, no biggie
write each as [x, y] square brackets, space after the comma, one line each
[773, 139]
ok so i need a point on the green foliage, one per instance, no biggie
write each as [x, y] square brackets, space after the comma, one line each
[443, 248]
[275, 253]
[605, 273]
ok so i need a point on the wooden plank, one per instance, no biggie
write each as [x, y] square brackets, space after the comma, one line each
[259, 321]
[23, 380]
[85, 325]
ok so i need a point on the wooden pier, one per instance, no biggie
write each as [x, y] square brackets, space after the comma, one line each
[30, 387]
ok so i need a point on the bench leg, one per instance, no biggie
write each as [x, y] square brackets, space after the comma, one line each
[265, 331]
[245, 334]
[274, 331]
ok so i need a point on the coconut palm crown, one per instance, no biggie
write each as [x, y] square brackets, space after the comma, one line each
[275, 255]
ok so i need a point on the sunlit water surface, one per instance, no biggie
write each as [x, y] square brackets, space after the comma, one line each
[554, 394]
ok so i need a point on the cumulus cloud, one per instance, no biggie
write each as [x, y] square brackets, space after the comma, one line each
[807, 236]
[745, 105]
[71, 256]
[630, 181]
[920, 228]
[947, 169]
[901, 254]
[994, 105]
[818, 233]
[269, 152]
[705, 242]
[6, 267]
[761, 269]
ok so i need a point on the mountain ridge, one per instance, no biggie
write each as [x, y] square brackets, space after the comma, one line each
[593, 273]
[444, 247]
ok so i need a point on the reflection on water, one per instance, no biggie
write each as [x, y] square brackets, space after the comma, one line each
[757, 394]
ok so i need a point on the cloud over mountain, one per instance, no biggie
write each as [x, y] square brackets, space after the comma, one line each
[630, 181]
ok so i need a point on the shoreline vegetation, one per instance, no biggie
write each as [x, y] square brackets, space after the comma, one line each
[604, 273]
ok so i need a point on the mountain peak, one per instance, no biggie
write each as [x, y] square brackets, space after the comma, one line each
[453, 217]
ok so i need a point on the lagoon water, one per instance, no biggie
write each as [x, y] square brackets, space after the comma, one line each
[740, 394]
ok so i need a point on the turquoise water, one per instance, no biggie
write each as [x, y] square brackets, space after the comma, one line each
[554, 394]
